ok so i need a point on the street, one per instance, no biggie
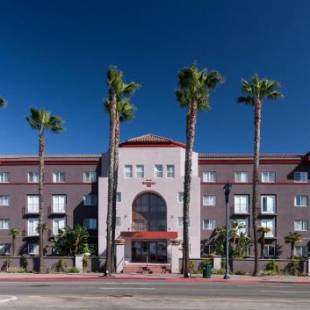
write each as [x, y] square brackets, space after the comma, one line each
[139, 294]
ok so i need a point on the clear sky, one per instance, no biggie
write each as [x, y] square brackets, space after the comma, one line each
[54, 54]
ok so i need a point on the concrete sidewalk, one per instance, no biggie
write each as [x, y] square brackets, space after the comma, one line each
[235, 279]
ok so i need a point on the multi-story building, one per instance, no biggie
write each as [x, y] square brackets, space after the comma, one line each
[149, 200]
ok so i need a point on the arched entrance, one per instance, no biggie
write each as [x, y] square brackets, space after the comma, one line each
[149, 213]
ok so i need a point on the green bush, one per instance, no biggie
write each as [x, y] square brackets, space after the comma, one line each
[294, 268]
[16, 270]
[240, 273]
[61, 265]
[218, 271]
[272, 267]
[191, 267]
[85, 262]
[73, 270]
[24, 262]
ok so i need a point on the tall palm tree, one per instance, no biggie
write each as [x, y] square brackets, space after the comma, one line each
[292, 238]
[120, 109]
[13, 232]
[254, 94]
[43, 121]
[262, 230]
[193, 94]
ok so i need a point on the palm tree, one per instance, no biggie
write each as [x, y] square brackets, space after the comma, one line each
[263, 231]
[120, 109]
[193, 94]
[2, 103]
[254, 94]
[42, 121]
[292, 238]
[13, 232]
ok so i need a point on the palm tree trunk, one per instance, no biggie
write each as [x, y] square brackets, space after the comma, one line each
[41, 202]
[292, 249]
[190, 136]
[257, 124]
[115, 184]
[13, 246]
[108, 270]
[262, 246]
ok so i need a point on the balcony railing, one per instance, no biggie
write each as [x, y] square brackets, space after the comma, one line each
[239, 211]
[30, 234]
[56, 211]
[30, 211]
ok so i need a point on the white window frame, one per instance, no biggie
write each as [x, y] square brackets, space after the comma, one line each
[128, 171]
[59, 203]
[300, 173]
[301, 249]
[267, 248]
[33, 177]
[34, 247]
[33, 203]
[241, 177]
[4, 224]
[209, 176]
[271, 209]
[56, 226]
[208, 224]
[4, 200]
[265, 223]
[170, 174]
[90, 177]
[139, 171]
[300, 197]
[89, 200]
[59, 177]
[268, 177]
[209, 200]
[4, 177]
[158, 171]
[32, 227]
[301, 225]
[180, 197]
[239, 206]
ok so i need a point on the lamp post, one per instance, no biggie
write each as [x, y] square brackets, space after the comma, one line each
[226, 189]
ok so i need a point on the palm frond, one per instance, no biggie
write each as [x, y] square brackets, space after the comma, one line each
[3, 103]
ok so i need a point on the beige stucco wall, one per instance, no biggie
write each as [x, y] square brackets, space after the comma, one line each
[167, 188]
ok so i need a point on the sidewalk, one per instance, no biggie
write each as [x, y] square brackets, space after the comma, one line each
[235, 279]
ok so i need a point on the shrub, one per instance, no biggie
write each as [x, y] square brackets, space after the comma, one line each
[191, 267]
[73, 270]
[24, 262]
[61, 265]
[85, 262]
[240, 273]
[272, 267]
[16, 270]
[294, 268]
[218, 271]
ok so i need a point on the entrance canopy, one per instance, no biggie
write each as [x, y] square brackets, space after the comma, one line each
[148, 235]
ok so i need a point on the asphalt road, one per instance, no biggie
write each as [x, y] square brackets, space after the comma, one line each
[120, 295]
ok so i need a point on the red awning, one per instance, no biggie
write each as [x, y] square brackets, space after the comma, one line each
[166, 235]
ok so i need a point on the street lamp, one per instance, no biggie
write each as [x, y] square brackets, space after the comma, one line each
[226, 189]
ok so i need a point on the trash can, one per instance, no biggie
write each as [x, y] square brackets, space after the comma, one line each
[206, 271]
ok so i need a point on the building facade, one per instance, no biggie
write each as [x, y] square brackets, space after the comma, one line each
[149, 200]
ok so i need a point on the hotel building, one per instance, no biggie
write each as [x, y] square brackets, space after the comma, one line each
[149, 200]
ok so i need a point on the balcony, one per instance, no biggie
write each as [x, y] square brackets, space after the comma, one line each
[30, 211]
[267, 212]
[56, 211]
[239, 211]
[27, 234]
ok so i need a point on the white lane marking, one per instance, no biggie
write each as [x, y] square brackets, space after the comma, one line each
[126, 283]
[127, 288]
[280, 291]
[7, 298]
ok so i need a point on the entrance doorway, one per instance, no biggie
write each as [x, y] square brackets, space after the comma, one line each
[154, 251]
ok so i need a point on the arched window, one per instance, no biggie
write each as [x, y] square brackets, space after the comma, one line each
[149, 213]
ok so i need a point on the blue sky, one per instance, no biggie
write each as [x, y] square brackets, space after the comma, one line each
[54, 55]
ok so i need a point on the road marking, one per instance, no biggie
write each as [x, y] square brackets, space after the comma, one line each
[127, 288]
[280, 291]
[7, 298]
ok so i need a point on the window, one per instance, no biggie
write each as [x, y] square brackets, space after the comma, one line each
[128, 171]
[58, 177]
[208, 224]
[4, 200]
[268, 177]
[158, 171]
[33, 177]
[90, 223]
[32, 227]
[32, 204]
[140, 171]
[242, 226]
[90, 200]
[301, 251]
[4, 177]
[58, 224]
[90, 177]
[268, 204]
[209, 176]
[118, 197]
[59, 203]
[209, 200]
[241, 177]
[301, 176]
[4, 249]
[118, 221]
[4, 223]
[170, 171]
[33, 249]
[241, 204]
[301, 201]
[300, 225]
[268, 223]
[180, 197]
[269, 250]
[180, 221]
